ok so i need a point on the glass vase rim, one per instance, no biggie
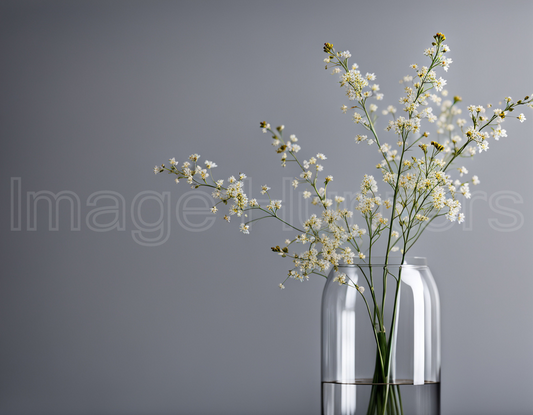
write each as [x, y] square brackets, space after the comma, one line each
[379, 261]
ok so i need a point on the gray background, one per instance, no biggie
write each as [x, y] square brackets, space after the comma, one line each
[93, 94]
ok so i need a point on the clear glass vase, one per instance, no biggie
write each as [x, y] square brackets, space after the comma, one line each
[381, 345]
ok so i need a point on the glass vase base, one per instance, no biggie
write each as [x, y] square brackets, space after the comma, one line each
[365, 398]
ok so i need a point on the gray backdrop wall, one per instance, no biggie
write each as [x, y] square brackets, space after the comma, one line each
[139, 310]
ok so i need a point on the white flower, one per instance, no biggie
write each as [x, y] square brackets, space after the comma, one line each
[439, 84]
[306, 194]
[264, 189]
[499, 132]
[465, 190]
[244, 228]
[368, 184]
[281, 286]
[483, 146]
[521, 118]
[203, 173]
[475, 180]
[274, 205]
[214, 209]
[340, 277]
[446, 63]
[157, 169]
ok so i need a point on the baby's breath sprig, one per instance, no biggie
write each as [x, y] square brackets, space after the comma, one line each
[417, 167]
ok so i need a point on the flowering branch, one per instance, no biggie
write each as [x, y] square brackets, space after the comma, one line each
[422, 185]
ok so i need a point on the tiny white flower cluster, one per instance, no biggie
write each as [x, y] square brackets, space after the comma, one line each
[360, 138]
[356, 84]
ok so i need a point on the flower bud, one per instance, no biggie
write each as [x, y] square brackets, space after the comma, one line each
[328, 47]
